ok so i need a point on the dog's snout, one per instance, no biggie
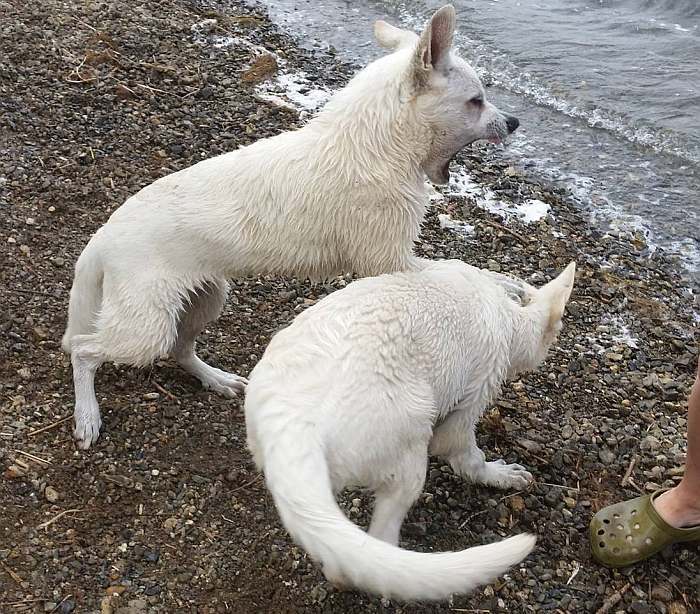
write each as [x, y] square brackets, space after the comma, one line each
[512, 122]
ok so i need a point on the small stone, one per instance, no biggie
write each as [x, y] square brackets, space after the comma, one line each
[640, 607]
[529, 445]
[58, 261]
[24, 373]
[662, 593]
[676, 607]
[569, 502]
[67, 606]
[649, 443]
[606, 456]
[138, 605]
[117, 589]
[170, 523]
[552, 497]
[151, 396]
[13, 472]
[51, 494]
[517, 503]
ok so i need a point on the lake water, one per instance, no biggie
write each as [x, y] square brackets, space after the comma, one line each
[608, 94]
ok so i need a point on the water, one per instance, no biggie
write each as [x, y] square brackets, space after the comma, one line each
[608, 94]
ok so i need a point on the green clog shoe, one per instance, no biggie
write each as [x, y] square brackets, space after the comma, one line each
[626, 533]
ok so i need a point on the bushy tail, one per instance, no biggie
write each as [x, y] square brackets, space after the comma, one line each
[85, 295]
[297, 476]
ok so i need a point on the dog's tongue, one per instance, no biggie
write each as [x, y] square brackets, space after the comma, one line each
[495, 140]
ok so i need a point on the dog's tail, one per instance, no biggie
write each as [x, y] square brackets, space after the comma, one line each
[85, 295]
[297, 475]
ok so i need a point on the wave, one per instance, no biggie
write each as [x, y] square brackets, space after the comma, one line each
[676, 9]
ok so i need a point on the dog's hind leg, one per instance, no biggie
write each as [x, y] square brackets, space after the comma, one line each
[201, 307]
[86, 358]
[395, 496]
[454, 440]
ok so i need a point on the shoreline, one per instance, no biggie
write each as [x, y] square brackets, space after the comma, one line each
[97, 101]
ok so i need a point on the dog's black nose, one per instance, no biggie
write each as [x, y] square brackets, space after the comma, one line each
[512, 123]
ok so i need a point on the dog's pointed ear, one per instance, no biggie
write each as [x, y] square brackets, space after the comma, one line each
[554, 295]
[393, 38]
[435, 43]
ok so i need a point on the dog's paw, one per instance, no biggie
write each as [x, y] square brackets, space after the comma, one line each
[226, 384]
[502, 475]
[87, 429]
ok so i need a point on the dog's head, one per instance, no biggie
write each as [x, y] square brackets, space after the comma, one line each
[446, 91]
[540, 322]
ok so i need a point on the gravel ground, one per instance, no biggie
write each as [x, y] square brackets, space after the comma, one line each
[166, 513]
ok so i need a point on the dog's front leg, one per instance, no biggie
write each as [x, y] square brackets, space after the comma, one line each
[454, 440]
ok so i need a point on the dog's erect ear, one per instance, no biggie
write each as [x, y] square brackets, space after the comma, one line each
[393, 38]
[435, 42]
[554, 295]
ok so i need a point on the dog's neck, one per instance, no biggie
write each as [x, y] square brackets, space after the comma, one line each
[372, 121]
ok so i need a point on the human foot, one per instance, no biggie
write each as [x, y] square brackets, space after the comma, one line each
[678, 508]
[631, 531]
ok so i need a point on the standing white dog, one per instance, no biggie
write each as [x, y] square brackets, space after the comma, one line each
[345, 193]
[364, 385]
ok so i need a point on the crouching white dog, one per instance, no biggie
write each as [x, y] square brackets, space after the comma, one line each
[368, 382]
[346, 193]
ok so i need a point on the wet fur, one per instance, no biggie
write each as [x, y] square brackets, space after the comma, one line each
[364, 385]
[345, 193]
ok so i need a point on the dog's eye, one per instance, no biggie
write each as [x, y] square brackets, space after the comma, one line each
[477, 101]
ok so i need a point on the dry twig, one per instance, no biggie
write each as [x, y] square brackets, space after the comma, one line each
[613, 600]
[50, 426]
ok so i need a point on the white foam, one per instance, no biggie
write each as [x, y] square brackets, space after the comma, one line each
[294, 90]
[462, 184]
[457, 226]
[620, 332]
[532, 210]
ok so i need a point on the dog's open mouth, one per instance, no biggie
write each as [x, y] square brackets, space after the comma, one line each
[445, 171]
[496, 140]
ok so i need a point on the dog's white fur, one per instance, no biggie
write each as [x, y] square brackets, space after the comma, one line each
[364, 385]
[345, 193]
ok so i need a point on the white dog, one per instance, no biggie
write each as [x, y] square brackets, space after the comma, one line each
[346, 193]
[368, 382]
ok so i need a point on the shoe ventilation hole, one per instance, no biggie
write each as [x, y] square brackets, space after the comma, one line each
[601, 544]
[606, 521]
[636, 526]
[647, 541]
[601, 531]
